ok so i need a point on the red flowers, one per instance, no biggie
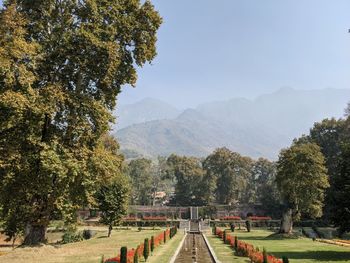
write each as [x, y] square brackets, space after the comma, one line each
[231, 218]
[244, 249]
[259, 218]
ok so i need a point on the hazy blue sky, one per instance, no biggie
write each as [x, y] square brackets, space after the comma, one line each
[212, 50]
[226, 48]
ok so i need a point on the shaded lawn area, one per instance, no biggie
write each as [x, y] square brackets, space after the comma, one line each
[224, 252]
[87, 251]
[297, 250]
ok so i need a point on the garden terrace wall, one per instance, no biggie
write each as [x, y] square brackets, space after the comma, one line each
[254, 223]
[150, 223]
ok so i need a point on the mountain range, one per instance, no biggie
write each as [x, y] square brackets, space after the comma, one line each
[255, 128]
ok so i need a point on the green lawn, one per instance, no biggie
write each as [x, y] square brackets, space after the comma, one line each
[164, 252]
[88, 251]
[224, 253]
[297, 250]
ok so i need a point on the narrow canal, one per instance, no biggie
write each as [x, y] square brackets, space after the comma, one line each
[194, 249]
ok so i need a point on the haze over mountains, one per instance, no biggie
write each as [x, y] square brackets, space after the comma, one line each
[256, 128]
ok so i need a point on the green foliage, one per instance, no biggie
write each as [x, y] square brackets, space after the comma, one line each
[285, 259]
[72, 236]
[302, 178]
[236, 244]
[227, 172]
[140, 173]
[146, 249]
[62, 64]
[136, 256]
[266, 192]
[189, 174]
[123, 255]
[152, 243]
[265, 260]
[112, 201]
[340, 209]
[87, 233]
[248, 225]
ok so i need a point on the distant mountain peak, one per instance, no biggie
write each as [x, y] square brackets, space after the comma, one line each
[256, 128]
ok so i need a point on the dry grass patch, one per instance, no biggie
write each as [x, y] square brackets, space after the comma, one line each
[87, 251]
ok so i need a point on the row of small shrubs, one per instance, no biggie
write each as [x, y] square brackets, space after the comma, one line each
[143, 250]
[244, 249]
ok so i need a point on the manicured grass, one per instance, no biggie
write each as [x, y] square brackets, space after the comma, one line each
[88, 251]
[164, 252]
[223, 252]
[297, 250]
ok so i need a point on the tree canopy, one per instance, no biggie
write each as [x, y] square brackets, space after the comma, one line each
[302, 180]
[62, 65]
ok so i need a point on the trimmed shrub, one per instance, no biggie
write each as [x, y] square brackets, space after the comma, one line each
[123, 255]
[136, 256]
[248, 224]
[285, 260]
[265, 256]
[146, 249]
[152, 243]
[87, 233]
[71, 237]
[236, 243]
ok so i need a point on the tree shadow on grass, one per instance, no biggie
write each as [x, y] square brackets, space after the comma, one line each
[318, 256]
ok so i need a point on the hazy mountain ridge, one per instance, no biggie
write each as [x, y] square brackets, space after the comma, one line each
[257, 128]
[142, 111]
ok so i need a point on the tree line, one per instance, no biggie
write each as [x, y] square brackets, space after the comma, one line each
[310, 179]
[224, 177]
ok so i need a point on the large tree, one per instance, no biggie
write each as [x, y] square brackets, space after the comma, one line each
[141, 172]
[341, 205]
[62, 65]
[266, 192]
[112, 200]
[328, 134]
[188, 173]
[230, 172]
[302, 180]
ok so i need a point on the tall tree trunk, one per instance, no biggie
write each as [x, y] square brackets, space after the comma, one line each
[35, 234]
[110, 230]
[287, 222]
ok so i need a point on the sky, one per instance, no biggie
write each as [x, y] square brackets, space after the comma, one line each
[215, 50]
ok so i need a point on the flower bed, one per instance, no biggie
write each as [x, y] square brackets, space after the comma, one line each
[259, 218]
[155, 218]
[158, 240]
[130, 218]
[244, 249]
[231, 218]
